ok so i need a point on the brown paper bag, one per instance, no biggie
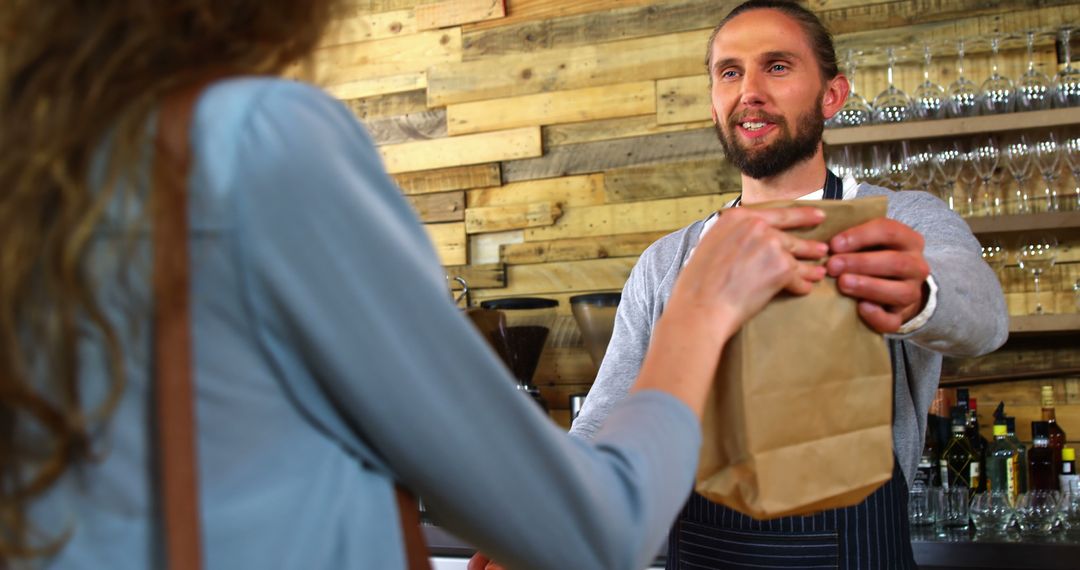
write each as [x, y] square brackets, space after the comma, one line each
[799, 419]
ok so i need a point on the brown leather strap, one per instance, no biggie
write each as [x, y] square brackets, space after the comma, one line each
[174, 388]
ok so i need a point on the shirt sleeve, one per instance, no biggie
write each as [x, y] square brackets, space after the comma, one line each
[344, 275]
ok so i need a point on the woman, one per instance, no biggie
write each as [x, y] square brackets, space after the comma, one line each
[329, 362]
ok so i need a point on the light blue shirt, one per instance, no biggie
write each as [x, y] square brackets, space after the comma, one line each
[329, 355]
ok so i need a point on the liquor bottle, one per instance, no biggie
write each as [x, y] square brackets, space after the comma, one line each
[1068, 480]
[1021, 458]
[1056, 433]
[1001, 463]
[979, 444]
[1042, 461]
[958, 465]
[929, 470]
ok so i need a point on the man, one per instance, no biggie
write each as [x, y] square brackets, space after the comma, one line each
[917, 276]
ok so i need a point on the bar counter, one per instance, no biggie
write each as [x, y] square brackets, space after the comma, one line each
[933, 551]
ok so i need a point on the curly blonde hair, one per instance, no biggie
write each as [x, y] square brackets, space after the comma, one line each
[71, 73]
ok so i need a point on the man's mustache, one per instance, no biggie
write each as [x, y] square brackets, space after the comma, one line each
[738, 118]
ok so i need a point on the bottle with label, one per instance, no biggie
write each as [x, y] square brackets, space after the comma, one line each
[1001, 463]
[1056, 433]
[959, 468]
[1021, 455]
[1068, 480]
[979, 444]
[929, 470]
[1042, 461]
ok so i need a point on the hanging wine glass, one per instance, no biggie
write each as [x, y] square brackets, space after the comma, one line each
[949, 161]
[891, 105]
[1070, 150]
[1067, 81]
[1033, 90]
[1017, 156]
[856, 111]
[929, 98]
[1037, 254]
[984, 159]
[997, 90]
[963, 96]
[1047, 160]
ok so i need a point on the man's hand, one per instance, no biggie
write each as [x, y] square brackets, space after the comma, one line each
[481, 562]
[881, 265]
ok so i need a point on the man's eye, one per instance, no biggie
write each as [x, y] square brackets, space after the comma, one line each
[778, 67]
[728, 74]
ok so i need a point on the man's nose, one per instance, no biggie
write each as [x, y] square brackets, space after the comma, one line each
[752, 94]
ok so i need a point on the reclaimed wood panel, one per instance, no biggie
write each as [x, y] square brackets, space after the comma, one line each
[486, 276]
[683, 100]
[624, 21]
[561, 372]
[380, 5]
[449, 241]
[484, 248]
[604, 155]
[567, 276]
[453, 178]
[518, 11]
[352, 25]
[379, 86]
[390, 105]
[610, 129]
[657, 57]
[456, 12]
[393, 56]
[674, 180]
[441, 207]
[512, 217]
[425, 125]
[553, 108]
[872, 16]
[626, 245]
[635, 217]
[463, 150]
[586, 190]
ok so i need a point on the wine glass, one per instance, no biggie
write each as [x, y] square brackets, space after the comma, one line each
[1033, 91]
[920, 162]
[949, 161]
[891, 105]
[995, 255]
[855, 111]
[1037, 254]
[992, 512]
[929, 98]
[984, 160]
[1047, 159]
[1070, 150]
[1067, 81]
[963, 96]
[1017, 155]
[997, 90]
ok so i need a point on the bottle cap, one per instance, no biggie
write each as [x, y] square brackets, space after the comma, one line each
[999, 430]
[1068, 454]
[1048, 396]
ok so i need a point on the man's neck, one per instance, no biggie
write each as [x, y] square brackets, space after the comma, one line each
[799, 180]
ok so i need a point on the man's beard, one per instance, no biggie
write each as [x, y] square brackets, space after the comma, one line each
[786, 152]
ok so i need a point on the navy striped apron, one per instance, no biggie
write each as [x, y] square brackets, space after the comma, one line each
[873, 534]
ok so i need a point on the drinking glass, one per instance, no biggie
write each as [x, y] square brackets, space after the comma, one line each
[955, 509]
[949, 161]
[1036, 512]
[1070, 151]
[924, 504]
[997, 91]
[929, 98]
[1017, 156]
[992, 512]
[1047, 158]
[1037, 254]
[889, 165]
[984, 159]
[995, 255]
[891, 105]
[963, 96]
[1067, 81]
[1033, 90]
[920, 162]
[855, 111]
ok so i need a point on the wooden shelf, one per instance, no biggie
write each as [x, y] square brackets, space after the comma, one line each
[1044, 324]
[1014, 223]
[952, 127]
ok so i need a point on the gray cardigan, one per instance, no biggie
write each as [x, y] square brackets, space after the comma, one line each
[970, 318]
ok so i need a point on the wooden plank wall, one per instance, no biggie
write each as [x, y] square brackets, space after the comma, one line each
[546, 143]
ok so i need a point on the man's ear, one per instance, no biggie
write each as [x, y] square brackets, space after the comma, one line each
[836, 92]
